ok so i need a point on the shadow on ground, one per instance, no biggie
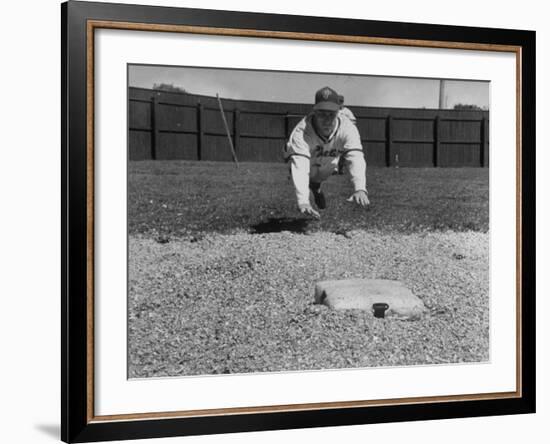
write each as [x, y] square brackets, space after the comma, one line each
[51, 430]
[279, 224]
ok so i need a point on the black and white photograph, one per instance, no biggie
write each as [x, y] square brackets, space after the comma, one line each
[284, 221]
[263, 222]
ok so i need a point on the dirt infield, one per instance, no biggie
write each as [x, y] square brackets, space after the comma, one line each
[221, 272]
[243, 303]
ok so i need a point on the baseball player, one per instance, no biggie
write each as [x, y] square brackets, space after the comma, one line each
[344, 112]
[315, 147]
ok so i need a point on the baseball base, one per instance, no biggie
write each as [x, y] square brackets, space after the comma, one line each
[362, 294]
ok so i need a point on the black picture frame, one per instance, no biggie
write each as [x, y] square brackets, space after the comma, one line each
[77, 421]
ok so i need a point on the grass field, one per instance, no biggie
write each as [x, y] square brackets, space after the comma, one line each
[222, 269]
[188, 198]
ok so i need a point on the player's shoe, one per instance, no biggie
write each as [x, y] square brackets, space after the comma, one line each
[318, 196]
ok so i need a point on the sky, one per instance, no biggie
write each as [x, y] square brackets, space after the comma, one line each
[358, 90]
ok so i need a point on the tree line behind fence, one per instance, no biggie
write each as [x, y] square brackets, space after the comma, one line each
[168, 125]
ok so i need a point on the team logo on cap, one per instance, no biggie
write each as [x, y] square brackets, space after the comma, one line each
[325, 93]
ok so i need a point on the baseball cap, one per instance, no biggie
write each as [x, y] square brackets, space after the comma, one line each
[327, 99]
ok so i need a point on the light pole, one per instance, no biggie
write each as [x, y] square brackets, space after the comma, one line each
[441, 94]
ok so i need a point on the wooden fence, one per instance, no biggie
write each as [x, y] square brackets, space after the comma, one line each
[164, 125]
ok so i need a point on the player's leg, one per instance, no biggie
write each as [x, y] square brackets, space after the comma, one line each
[318, 196]
[318, 174]
[341, 165]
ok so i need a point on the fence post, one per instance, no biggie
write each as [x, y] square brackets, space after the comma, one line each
[236, 129]
[437, 142]
[484, 145]
[200, 130]
[389, 140]
[154, 127]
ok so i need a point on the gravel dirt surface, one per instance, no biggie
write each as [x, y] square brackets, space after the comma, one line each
[238, 303]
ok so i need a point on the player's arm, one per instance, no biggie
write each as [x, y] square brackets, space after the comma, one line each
[297, 153]
[299, 169]
[357, 167]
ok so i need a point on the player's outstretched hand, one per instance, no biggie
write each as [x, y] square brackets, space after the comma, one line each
[361, 198]
[308, 210]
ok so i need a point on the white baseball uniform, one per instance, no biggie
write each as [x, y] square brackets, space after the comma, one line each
[346, 112]
[315, 158]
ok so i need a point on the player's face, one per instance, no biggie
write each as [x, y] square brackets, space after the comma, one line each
[325, 121]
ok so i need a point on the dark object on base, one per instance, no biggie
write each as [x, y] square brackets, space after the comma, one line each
[379, 309]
